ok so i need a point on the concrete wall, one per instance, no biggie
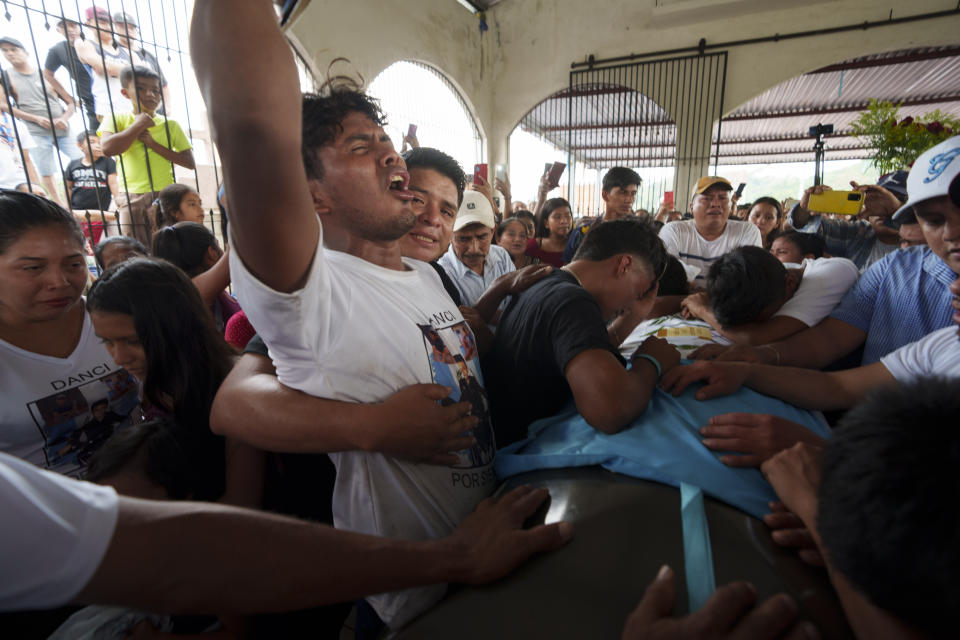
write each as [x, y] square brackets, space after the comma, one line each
[526, 54]
[373, 34]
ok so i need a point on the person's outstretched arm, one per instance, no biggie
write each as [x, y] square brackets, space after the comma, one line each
[766, 331]
[252, 406]
[811, 348]
[807, 388]
[178, 556]
[272, 218]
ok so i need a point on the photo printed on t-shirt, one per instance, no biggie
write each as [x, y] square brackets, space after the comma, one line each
[454, 361]
[75, 421]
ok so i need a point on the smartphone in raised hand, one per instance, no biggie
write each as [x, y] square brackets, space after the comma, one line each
[556, 170]
[480, 170]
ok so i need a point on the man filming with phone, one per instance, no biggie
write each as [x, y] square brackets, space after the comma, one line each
[865, 238]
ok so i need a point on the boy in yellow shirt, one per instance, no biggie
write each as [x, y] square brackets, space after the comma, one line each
[148, 145]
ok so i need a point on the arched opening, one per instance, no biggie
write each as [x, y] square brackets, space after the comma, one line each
[591, 129]
[413, 93]
[766, 141]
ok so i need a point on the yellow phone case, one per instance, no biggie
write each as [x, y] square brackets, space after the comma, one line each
[845, 203]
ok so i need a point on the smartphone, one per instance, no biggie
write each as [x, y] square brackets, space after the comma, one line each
[480, 170]
[556, 170]
[668, 198]
[412, 131]
[500, 171]
[846, 203]
[546, 167]
[741, 188]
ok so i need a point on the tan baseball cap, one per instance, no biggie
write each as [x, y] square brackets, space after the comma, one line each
[706, 182]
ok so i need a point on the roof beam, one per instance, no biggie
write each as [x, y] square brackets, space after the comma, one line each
[746, 117]
[829, 110]
[799, 138]
[951, 52]
[617, 125]
[722, 155]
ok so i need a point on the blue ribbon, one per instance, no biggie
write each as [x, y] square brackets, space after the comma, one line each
[697, 554]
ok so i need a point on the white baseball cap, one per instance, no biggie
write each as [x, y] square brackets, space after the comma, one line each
[931, 176]
[475, 208]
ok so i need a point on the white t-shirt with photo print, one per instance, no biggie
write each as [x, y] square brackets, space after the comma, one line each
[51, 409]
[358, 332]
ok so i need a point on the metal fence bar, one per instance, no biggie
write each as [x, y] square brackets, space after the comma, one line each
[114, 43]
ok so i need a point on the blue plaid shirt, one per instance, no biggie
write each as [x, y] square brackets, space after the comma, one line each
[855, 240]
[903, 297]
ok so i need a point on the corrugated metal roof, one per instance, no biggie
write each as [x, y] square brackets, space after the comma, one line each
[773, 127]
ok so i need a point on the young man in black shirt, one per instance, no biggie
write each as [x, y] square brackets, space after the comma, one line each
[63, 54]
[559, 338]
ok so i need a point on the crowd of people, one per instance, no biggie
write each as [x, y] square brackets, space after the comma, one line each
[399, 327]
[123, 155]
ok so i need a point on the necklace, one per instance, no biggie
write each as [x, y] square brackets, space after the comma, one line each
[575, 276]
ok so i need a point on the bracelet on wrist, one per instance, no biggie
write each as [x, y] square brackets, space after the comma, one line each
[651, 360]
[774, 349]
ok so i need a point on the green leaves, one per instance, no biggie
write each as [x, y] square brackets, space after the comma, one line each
[899, 143]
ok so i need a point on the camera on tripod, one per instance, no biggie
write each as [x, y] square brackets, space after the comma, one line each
[821, 130]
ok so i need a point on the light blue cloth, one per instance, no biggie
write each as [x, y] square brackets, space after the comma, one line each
[697, 552]
[663, 444]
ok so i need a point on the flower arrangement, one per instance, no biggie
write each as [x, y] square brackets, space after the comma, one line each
[899, 143]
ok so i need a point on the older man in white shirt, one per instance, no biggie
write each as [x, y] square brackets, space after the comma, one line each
[471, 261]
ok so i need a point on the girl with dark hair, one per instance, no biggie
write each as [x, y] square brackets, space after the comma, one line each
[55, 371]
[767, 215]
[153, 323]
[177, 203]
[193, 248]
[553, 229]
[529, 221]
[512, 236]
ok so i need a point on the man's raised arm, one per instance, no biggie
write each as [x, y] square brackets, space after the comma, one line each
[255, 121]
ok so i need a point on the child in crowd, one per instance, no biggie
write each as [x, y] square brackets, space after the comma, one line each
[117, 249]
[529, 221]
[793, 247]
[766, 214]
[553, 230]
[148, 145]
[153, 323]
[92, 184]
[193, 248]
[91, 180]
[177, 203]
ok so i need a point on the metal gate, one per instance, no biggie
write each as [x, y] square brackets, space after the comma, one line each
[660, 117]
